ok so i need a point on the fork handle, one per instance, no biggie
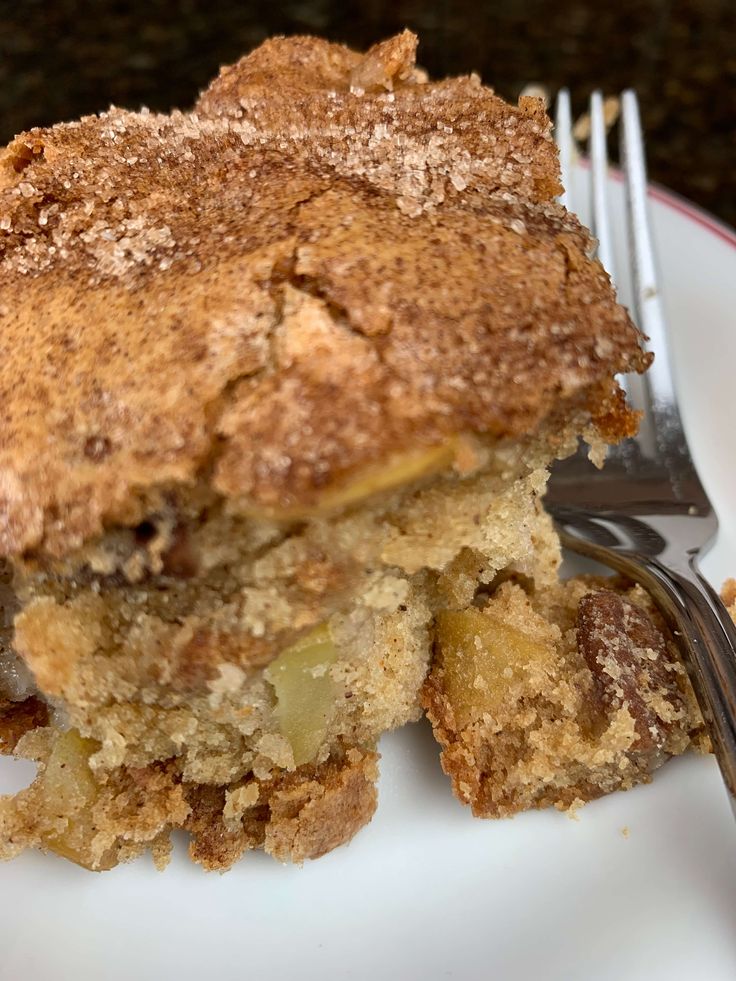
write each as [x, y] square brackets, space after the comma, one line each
[705, 634]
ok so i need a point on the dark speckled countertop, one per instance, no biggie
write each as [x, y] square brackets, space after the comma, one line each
[62, 58]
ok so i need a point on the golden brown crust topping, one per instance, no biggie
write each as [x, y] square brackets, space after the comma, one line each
[296, 282]
[374, 118]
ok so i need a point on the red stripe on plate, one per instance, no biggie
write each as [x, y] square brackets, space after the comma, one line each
[691, 211]
[682, 206]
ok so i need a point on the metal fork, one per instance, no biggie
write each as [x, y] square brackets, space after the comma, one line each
[646, 513]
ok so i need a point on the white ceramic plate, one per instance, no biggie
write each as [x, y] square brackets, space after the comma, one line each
[642, 886]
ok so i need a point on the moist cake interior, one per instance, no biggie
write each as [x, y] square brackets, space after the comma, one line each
[230, 652]
[232, 676]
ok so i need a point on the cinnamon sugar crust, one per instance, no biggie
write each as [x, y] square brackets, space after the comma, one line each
[290, 284]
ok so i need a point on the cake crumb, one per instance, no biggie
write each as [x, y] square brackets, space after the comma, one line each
[584, 694]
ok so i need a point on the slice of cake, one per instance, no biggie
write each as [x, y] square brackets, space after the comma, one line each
[281, 381]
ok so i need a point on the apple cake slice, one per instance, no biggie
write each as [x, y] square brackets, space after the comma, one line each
[281, 381]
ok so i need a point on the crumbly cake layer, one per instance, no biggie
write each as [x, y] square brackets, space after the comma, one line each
[273, 300]
[278, 653]
[555, 697]
[575, 691]
[154, 655]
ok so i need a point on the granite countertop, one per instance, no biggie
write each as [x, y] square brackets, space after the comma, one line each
[62, 59]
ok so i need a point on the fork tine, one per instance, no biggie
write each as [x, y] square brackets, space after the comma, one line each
[600, 222]
[647, 300]
[600, 212]
[563, 138]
